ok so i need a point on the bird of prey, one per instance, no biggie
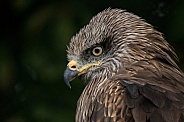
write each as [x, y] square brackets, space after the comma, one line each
[130, 70]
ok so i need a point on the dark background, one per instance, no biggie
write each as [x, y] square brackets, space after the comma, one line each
[33, 39]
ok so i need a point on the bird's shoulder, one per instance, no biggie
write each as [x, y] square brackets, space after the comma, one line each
[153, 90]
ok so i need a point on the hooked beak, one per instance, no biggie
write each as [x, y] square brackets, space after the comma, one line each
[72, 71]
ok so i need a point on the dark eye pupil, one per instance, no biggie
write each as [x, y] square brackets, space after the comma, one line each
[97, 51]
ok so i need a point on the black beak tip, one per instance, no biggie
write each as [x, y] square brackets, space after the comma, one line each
[69, 75]
[67, 82]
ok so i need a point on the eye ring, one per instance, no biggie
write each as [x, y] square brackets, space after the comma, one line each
[97, 51]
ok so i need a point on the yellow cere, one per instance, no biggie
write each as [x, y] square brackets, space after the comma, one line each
[72, 65]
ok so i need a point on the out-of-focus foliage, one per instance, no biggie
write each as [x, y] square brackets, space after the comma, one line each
[33, 39]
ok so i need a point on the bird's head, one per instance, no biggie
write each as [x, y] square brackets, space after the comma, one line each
[112, 39]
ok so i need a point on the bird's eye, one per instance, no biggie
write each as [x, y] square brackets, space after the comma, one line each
[97, 51]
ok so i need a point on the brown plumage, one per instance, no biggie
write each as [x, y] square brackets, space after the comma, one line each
[130, 71]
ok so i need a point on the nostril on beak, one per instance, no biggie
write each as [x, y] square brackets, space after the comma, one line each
[73, 67]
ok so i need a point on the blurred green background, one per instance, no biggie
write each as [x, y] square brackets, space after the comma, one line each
[33, 39]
